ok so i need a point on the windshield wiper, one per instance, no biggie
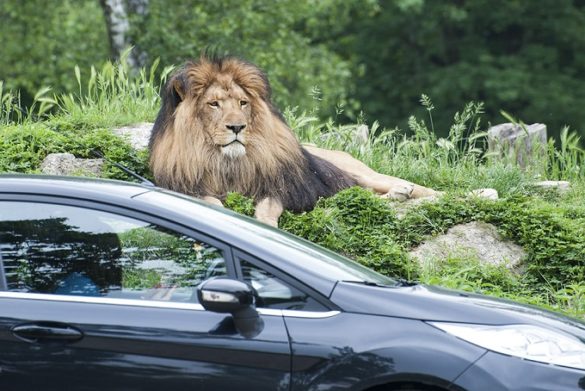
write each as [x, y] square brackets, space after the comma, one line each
[405, 282]
[398, 282]
[368, 283]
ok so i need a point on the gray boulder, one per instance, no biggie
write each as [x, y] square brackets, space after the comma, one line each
[475, 240]
[560, 186]
[522, 143]
[67, 164]
[137, 134]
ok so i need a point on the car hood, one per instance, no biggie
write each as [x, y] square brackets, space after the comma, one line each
[432, 303]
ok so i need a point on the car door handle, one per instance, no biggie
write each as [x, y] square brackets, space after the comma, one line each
[47, 332]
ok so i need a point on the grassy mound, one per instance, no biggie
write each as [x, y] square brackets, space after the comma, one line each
[549, 226]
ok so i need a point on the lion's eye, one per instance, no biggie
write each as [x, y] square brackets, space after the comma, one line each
[243, 103]
[213, 103]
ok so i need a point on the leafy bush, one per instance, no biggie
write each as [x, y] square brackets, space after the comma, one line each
[25, 146]
[364, 227]
[552, 236]
[358, 224]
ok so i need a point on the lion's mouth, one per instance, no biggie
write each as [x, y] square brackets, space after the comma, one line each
[233, 149]
[236, 141]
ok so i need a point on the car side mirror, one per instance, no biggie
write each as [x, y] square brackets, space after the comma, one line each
[226, 295]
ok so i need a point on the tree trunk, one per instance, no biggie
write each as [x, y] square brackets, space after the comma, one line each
[117, 15]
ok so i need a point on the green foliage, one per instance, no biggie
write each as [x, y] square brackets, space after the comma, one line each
[552, 235]
[567, 161]
[273, 35]
[572, 298]
[81, 126]
[332, 57]
[9, 105]
[25, 146]
[468, 274]
[113, 95]
[432, 218]
[513, 55]
[240, 204]
[42, 40]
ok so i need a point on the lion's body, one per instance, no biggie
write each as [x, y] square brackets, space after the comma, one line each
[217, 132]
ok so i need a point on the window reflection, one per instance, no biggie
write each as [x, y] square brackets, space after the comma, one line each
[275, 293]
[39, 254]
[75, 251]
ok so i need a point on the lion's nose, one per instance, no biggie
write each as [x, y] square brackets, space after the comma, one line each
[236, 128]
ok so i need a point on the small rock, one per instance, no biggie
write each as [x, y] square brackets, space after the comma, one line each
[138, 134]
[67, 164]
[490, 194]
[361, 134]
[476, 239]
[561, 186]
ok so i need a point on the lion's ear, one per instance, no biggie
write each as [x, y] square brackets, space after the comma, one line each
[175, 91]
[179, 86]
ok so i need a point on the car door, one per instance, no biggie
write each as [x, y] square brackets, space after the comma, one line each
[98, 297]
[330, 348]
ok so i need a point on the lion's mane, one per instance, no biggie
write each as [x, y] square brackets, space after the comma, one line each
[183, 159]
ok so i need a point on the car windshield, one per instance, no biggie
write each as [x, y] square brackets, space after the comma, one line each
[342, 268]
[324, 261]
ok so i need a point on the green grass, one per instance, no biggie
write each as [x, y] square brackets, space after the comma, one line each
[112, 96]
[548, 225]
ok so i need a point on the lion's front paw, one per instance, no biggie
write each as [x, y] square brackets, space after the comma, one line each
[212, 200]
[268, 220]
[400, 192]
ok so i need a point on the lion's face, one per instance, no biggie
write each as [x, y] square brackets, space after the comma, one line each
[225, 114]
[217, 132]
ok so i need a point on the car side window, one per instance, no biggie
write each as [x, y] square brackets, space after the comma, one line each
[274, 292]
[68, 250]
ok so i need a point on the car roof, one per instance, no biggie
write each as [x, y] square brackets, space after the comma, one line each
[295, 256]
[69, 186]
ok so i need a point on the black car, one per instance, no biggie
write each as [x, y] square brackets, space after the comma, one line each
[109, 285]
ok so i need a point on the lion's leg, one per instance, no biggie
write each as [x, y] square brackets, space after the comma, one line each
[212, 200]
[387, 186]
[268, 210]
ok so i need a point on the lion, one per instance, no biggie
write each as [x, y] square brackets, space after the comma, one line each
[217, 132]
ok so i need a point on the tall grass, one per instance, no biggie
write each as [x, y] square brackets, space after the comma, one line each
[11, 110]
[459, 161]
[9, 106]
[114, 95]
[566, 161]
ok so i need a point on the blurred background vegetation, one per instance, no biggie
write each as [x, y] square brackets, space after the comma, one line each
[347, 59]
